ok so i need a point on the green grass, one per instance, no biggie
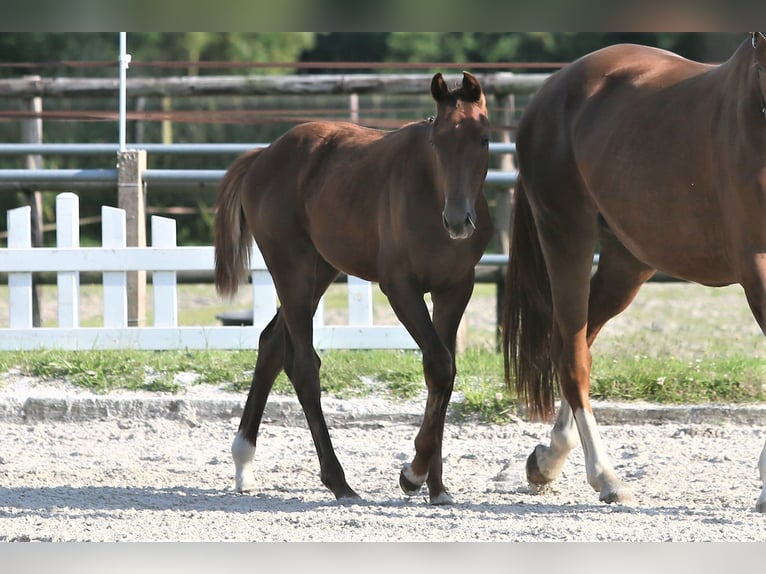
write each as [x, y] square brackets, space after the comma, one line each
[398, 375]
[677, 343]
[671, 380]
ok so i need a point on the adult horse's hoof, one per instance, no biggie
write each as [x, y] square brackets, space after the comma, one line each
[409, 482]
[534, 474]
[761, 506]
[617, 494]
[244, 481]
[625, 498]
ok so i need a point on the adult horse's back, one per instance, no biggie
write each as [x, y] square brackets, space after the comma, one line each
[663, 162]
[403, 208]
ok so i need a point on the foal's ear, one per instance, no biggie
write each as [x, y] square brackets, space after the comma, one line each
[439, 87]
[471, 87]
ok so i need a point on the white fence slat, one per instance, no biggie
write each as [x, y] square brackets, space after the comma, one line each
[359, 301]
[264, 292]
[20, 284]
[163, 259]
[264, 298]
[164, 282]
[114, 234]
[68, 282]
[319, 314]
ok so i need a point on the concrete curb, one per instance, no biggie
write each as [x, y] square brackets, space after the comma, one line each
[351, 412]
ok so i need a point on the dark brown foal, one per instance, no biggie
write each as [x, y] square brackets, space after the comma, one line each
[403, 208]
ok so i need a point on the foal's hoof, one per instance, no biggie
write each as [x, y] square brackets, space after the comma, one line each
[344, 493]
[534, 474]
[443, 499]
[409, 482]
[349, 497]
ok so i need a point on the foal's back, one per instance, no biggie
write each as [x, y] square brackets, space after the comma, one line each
[342, 185]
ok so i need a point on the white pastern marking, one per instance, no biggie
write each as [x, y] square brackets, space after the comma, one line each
[564, 437]
[600, 473]
[243, 452]
[412, 477]
[761, 504]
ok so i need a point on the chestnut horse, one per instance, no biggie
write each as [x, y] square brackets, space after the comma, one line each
[663, 162]
[403, 208]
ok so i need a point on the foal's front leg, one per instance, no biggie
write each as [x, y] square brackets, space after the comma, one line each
[438, 347]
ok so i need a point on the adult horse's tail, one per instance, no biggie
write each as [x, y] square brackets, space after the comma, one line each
[233, 240]
[528, 315]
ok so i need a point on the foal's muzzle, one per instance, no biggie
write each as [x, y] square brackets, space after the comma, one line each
[461, 227]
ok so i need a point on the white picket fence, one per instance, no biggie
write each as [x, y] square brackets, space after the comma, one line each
[163, 259]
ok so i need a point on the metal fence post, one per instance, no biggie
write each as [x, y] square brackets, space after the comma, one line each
[131, 165]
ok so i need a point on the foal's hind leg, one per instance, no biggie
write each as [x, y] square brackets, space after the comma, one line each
[270, 361]
[267, 367]
[299, 274]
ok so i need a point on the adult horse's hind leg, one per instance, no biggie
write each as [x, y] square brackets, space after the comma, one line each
[568, 247]
[615, 284]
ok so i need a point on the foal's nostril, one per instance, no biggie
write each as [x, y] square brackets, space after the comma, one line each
[469, 221]
[445, 222]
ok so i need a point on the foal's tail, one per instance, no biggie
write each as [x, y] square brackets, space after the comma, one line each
[233, 240]
[528, 315]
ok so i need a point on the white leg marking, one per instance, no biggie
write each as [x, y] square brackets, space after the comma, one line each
[442, 500]
[761, 504]
[243, 452]
[411, 476]
[598, 467]
[564, 437]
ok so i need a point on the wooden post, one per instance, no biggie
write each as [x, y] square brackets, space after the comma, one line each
[139, 124]
[167, 125]
[131, 165]
[32, 132]
[504, 203]
[504, 200]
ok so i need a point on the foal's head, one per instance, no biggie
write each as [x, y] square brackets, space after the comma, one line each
[460, 138]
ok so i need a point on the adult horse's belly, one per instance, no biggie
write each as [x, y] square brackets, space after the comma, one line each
[673, 238]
